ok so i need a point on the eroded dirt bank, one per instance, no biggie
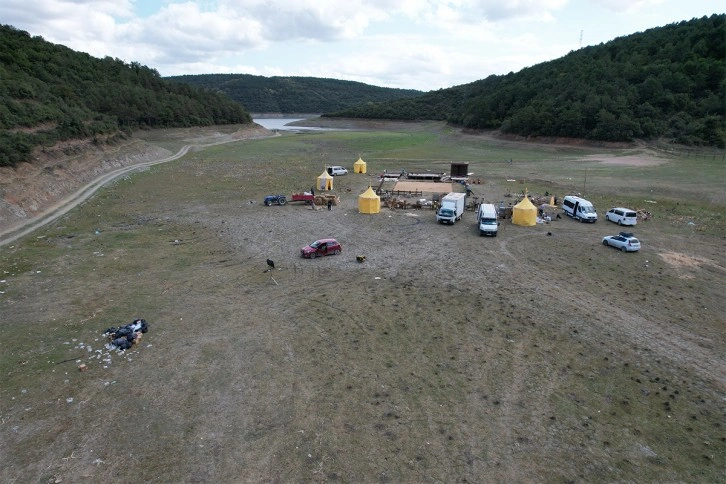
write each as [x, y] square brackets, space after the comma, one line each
[30, 190]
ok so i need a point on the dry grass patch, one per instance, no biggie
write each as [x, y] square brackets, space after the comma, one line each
[443, 357]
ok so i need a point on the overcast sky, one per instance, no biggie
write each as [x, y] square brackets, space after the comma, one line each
[412, 44]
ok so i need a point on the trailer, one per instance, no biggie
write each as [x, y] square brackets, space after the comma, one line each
[306, 197]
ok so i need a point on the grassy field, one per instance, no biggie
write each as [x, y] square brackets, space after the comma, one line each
[535, 356]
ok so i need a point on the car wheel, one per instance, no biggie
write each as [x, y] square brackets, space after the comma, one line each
[620, 222]
[282, 201]
[267, 204]
[313, 255]
[623, 249]
[336, 252]
[605, 242]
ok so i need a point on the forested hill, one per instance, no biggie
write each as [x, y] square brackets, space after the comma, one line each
[259, 94]
[668, 82]
[50, 93]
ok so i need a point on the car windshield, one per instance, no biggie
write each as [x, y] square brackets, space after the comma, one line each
[587, 209]
[633, 241]
[488, 221]
[446, 212]
[315, 244]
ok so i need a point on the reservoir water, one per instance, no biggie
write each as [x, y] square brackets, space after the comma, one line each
[278, 123]
[281, 124]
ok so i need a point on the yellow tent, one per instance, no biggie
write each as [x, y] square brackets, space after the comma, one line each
[524, 213]
[359, 166]
[369, 202]
[325, 181]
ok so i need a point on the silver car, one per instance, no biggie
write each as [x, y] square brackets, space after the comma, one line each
[624, 241]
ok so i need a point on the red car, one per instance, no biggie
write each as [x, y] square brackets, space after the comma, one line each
[321, 247]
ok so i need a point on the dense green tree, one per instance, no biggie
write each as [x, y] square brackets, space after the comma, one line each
[666, 82]
[261, 94]
[51, 93]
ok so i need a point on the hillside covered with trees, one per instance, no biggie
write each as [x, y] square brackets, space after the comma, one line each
[50, 93]
[259, 94]
[667, 83]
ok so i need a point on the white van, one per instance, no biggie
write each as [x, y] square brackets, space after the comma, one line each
[337, 170]
[622, 216]
[486, 217]
[579, 209]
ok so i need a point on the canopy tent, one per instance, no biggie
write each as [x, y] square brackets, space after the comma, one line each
[325, 181]
[369, 202]
[359, 166]
[524, 213]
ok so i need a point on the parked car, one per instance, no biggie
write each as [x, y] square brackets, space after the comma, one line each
[275, 199]
[622, 216]
[624, 241]
[337, 170]
[321, 247]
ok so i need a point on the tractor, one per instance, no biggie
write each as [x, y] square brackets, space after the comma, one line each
[275, 200]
